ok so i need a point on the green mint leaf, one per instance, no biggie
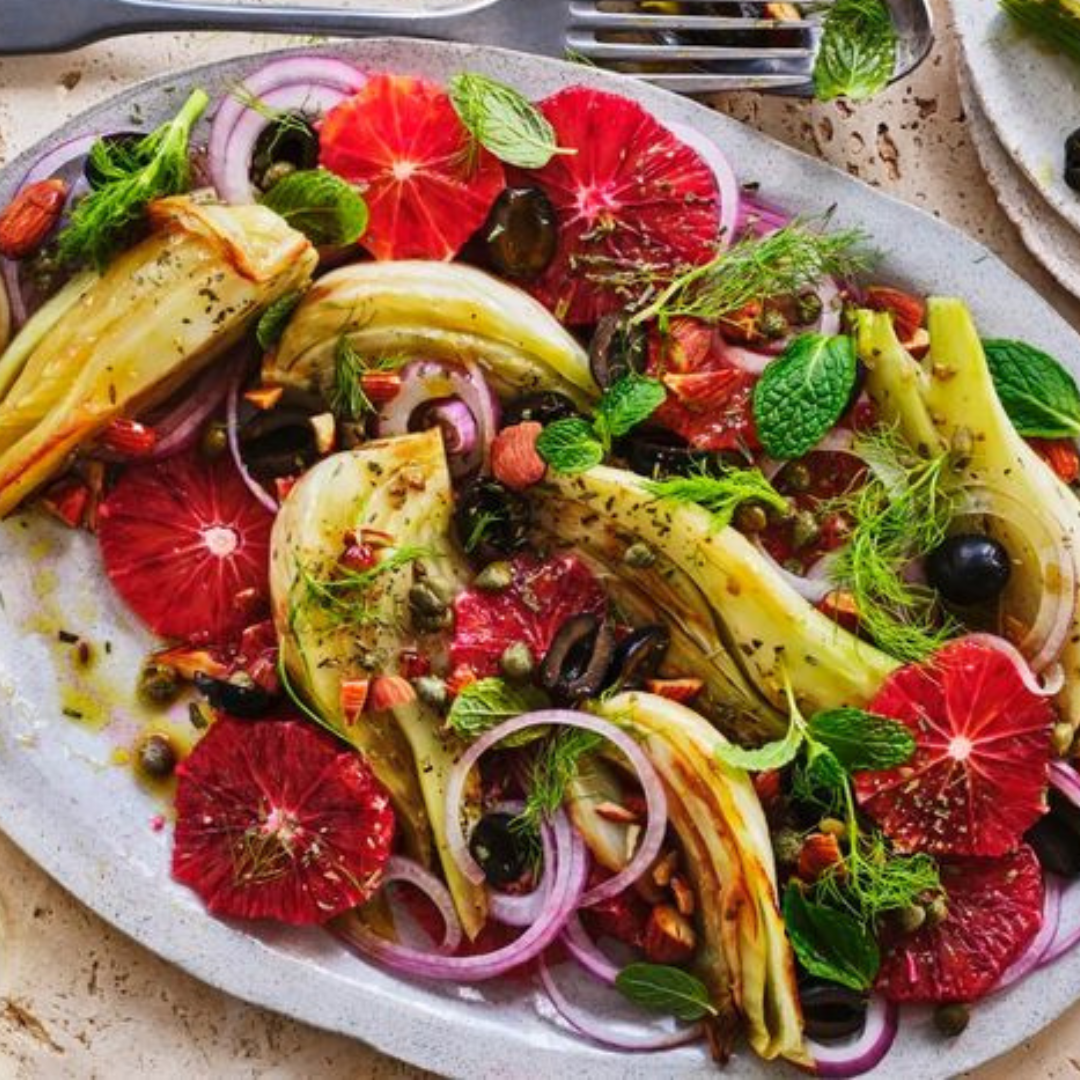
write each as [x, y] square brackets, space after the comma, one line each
[720, 492]
[325, 208]
[275, 318]
[829, 943]
[1039, 395]
[857, 54]
[773, 755]
[823, 769]
[665, 989]
[503, 121]
[570, 446]
[629, 401]
[488, 702]
[862, 740]
[802, 393]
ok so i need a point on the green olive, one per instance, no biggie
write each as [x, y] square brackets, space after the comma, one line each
[522, 232]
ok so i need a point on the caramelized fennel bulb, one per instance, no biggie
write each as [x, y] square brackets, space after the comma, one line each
[330, 632]
[115, 345]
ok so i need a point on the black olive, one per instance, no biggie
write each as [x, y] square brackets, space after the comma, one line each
[157, 757]
[122, 144]
[579, 658]
[544, 406]
[289, 140]
[968, 568]
[831, 1011]
[491, 520]
[1056, 846]
[618, 347]
[500, 851]
[639, 655]
[1072, 160]
[657, 453]
[522, 232]
[238, 696]
[281, 441]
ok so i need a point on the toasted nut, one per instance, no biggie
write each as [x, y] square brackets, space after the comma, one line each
[769, 788]
[839, 605]
[129, 438]
[30, 217]
[67, 500]
[908, 312]
[681, 690]
[684, 895]
[610, 811]
[353, 696]
[664, 867]
[1061, 455]
[264, 397]
[189, 662]
[515, 461]
[918, 344]
[669, 938]
[381, 386]
[463, 675]
[819, 852]
[633, 834]
[325, 429]
[390, 691]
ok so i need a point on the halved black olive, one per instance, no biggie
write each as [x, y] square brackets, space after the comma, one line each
[618, 347]
[502, 853]
[579, 658]
[831, 1011]
[491, 521]
[544, 406]
[639, 655]
[123, 143]
[281, 441]
[660, 453]
[290, 141]
[522, 232]
[237, 696]
[1056, 837]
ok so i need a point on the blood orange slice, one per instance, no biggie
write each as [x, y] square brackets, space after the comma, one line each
[978, 778]
[541, 597]
[995, 909]
[427, 190]
[630, 197]
[187, 547]
[276, 820]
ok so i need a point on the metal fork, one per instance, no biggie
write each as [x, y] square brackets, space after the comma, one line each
[697, 48]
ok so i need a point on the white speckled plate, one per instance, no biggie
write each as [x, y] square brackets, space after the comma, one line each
[1029, 93]
[1046, 234]
[64, 799]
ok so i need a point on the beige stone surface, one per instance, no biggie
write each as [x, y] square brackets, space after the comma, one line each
[79, 1000]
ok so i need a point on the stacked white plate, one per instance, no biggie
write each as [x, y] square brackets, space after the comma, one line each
[1022, 100]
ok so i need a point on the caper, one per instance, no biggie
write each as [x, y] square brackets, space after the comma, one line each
[787, 845]
[517, 662]
[773, 325]
[288, 140]
[751, 518]
[159, 684]
[495, 577]
[937, 911]
[833, 827]
[522, 232]
[1062, 739]
[427, 599]
[951, 1019]
[432, 690]
[910, 917]
[639, 556]
[808, 308]
[618, 347]
[433, 622]
[157, 757]
[214, 442]
[806, 529]
[277, 172]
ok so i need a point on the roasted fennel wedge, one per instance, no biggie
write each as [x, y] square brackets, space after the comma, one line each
[743, 956]
[335, 625]
[948, 402]
[114, 345]
[734, 621]
[434, 310]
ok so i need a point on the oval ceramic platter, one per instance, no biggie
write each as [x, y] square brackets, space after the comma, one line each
[67, 798]
[1030, 94]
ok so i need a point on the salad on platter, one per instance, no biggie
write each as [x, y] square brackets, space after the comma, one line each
[577, 569]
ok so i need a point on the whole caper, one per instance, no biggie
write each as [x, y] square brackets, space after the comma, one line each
[522, 232]
[157, 757]
[214, 441]
[951, 1019]
[517, 662]
[159, 684]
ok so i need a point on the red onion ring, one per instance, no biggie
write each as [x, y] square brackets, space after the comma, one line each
[1067, 936]
[232, 431]
[521, 910]
[861, 1054]
[759, 216]
[1023, 669]
[752, 361]
[811, 590]
[412, 873]
[653, 790]
[568, 882]
[586, 952]
[1032, 957]
[1065, 780]
[726, 183]
[599, 1032]
[179, 427]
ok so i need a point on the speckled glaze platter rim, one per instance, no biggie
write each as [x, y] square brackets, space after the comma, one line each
[1028, 94]
[86, 823]
[1044, 231]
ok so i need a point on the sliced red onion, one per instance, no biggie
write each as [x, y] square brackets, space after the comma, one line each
[813, 590]
[752, 361]
[759, 216]
[601, 1032]
[1065, 780]
[726, 183]
[567, 884]
[231, 170]
[412, 873]
[859, 1055]
[1031, 959]
[652, 789]
[587, 953]
[1067, 936]
[232, 431]
[1049, 688]
[521, 910]
[179, 427]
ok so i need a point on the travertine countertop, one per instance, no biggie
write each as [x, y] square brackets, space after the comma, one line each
[78, 999]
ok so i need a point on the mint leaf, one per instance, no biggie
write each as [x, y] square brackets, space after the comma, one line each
[830, 944]
[325, 208]
[488, 702]
[1039, 395]
[773, 755]
[570, 445]
[275, 318]
[857, 54]
[823, 768]
[628, 402]
[665, 989]
[503, 121]
[862, 740]
[803, 392]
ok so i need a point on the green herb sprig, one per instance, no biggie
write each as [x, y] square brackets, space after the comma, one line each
[325, 208]
[553, 769]
[721, 491]
[857, 54]
[347, 398]
[131, 176]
